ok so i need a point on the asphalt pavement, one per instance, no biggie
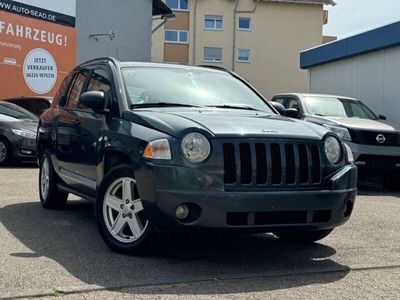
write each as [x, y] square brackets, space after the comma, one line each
[60, 254]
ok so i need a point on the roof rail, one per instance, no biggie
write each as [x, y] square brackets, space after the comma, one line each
[105, 58]
[216, 68]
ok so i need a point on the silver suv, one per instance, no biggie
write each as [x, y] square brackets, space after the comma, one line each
[374, 142]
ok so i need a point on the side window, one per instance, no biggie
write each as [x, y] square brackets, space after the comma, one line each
[279, 100]
[293, 103]
[101, 81]
[76, 90]
[60, 97]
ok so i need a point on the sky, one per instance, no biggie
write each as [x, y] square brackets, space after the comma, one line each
[350, 17]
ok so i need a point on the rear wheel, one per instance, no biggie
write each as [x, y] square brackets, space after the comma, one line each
[50, 196]
[5, 152]
[309, 236]
[120, 213]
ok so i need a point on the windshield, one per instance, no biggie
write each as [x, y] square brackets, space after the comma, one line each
[181, 87]
[16, 112]
[335, 107]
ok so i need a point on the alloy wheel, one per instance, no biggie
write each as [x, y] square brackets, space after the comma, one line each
[45, 177]
[3, 152]
[122, 211]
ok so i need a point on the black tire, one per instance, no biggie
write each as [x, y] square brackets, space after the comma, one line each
[145, 242]
[54, 199]
[5, 146]
[309, 236]
[391, 183]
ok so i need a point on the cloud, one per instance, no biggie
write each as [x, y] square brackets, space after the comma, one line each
[350, 17]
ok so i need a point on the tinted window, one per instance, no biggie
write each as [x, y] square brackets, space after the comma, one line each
[101, 81]
[76, 90]
[60, 97]
[189, 87]
[293, 103]
[279, 100]
[14, 111]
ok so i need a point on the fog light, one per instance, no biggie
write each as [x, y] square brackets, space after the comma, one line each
[26, 152]
[182, 212]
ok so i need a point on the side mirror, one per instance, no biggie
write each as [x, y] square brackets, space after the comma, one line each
[382, 117]
[279, 107]
[94, 100]
[292, 113]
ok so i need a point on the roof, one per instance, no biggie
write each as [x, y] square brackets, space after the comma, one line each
[160, 8]
[373, 40]
[300, 95]
[326, 2]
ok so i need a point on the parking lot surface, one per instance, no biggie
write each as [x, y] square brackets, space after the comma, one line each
[60, 253]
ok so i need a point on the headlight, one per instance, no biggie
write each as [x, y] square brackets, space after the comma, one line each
[24, 133]
[333, 150]
[195, 147]
[158, 149]
[342, 132]
[350, 157]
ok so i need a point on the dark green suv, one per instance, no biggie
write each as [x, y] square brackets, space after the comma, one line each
[164, 148]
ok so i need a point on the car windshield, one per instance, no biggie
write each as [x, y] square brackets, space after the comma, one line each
[185, 87]
[336, 107]
[16, 112]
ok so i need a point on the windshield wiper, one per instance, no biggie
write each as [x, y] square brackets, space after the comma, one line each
[233, 107]
[161, 104]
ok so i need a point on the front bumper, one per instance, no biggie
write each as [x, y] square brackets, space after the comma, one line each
[379, 159]
[266, 210]
[22, 148]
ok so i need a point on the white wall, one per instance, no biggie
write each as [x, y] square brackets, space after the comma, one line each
[374, 78]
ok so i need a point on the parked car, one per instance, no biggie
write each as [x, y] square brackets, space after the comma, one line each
[17, 133]
[167, 147]
[36, 105]
[375, 143]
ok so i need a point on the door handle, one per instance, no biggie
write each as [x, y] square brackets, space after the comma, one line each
[76, 122]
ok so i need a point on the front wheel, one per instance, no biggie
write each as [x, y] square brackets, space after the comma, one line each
[5, 152]
[308, 236]
[120, 213]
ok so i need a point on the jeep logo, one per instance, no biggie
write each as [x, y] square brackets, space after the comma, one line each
[380, 138]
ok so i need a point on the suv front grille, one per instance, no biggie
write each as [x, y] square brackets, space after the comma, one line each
[272, 164]
[370, 138]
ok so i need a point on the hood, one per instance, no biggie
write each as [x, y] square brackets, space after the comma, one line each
[220, 123]
[21, 124]
[354, 123]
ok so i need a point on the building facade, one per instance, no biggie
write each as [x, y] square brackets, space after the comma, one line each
[121, 29]
[365, 66]
[258, 39]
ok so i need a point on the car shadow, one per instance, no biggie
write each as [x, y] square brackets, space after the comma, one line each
[70, 238]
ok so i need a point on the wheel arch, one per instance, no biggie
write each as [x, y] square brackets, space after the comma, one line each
[113, 158]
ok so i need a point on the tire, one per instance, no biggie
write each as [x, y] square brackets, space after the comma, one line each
[5, 152]
[310, 236]
[50, 196]
[119, 213]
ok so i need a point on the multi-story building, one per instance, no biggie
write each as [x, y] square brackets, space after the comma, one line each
[258, 39]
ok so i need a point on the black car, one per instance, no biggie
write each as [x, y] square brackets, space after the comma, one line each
[36, 105]
[164, 147]
[17, 134]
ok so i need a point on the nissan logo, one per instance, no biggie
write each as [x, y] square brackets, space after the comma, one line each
[380, 138]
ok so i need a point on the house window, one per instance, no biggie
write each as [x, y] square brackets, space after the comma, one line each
[244, 23]
[178, 4]
[213, 23]
[243, 55]
[176, 36]
[212, 54]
